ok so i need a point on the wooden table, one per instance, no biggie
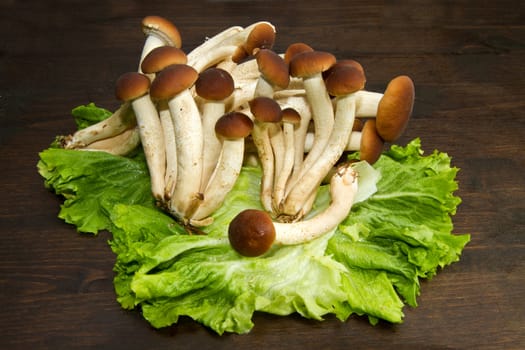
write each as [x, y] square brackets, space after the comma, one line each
[467, 60]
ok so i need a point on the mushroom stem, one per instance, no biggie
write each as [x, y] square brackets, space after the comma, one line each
[210, 43]
[309, 65]
[173, 85]
[170, 142]
[214, 85]
[291, 118]
[266, 112]
[261, 140]
[134, 87]
[298, 103]
[343, 187]
[353, 143]
[252, 232]
[222, 180]
[152, 141]
[233, 127]
[367, 103]
[119, 145]
[223, 49]
[159, 32]
[122, 119]
[188, 135]
[300, 192]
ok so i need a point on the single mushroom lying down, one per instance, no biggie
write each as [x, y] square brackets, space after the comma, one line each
[252, 232]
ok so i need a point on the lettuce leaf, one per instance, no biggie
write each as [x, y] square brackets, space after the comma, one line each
[86, 115]
[92, 183]
[399, 232]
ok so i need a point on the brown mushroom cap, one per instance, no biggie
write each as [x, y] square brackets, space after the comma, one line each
[234, 125]
[358, 125]
[214, 84]
[163, 28]
[273, 68]
[290, 115]
[251, 232]
[161, 57]
[262, 36]
[395, 108]
[172, 80]
[344, 80]
[308, 63]
[265, 109]
[131, 85]
[371, 143]
[296, 48]
[344, 62]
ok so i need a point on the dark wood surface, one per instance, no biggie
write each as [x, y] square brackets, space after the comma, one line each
[467, 60]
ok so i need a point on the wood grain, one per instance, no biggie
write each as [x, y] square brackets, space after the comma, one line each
[467, 60]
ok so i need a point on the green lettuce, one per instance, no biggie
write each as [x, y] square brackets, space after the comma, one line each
[398, 233]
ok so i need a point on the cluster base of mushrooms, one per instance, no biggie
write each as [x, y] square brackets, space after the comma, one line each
[201, 115]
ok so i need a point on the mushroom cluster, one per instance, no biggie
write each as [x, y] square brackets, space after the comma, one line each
[199, 115]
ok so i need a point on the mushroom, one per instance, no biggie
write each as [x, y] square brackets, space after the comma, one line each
[290, 119]
[262, 36]
[161, 57]
[343, 82]
[371, 143]
[159, 32]
[158, 59]
[122, 119]
[133, 87]
[395, 108]
[119, 145]
[214, 85]
[309, 66]
[353, 143]
[294, 49]
[232, 128]
[172, 84]
[298, 102]
[215, 40]
[265, 112]
[252, 232]
[274, 73]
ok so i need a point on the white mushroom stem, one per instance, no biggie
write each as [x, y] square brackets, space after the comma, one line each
[242, 94]
[298, 103]
[275, 132]
[286, 166]
[245, 71]
[227, 65]
[211, 112]
[170, 143]
[353, 143]
[152, 140]
[222, 180]
[119, 145]
[343, 188]
[151, 43]
[367, 103]
[222, 50]
[323, 117]
[210, 43]
[261, 139]
[300, 191]
[188, 134]
[212, 57]
[122, 119]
